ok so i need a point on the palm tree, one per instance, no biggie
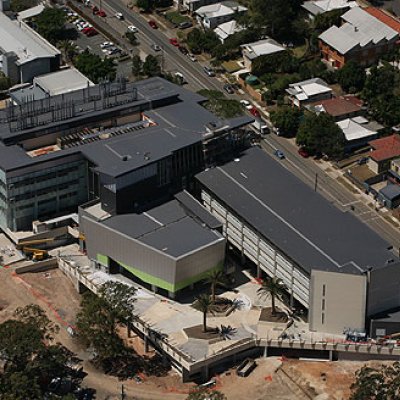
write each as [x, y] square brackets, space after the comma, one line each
[274, 288]
[215, 278]
[204, 304]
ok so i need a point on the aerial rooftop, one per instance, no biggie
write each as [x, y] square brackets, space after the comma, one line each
[18, 37]
[303, 224]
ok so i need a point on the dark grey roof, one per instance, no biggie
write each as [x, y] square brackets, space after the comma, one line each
[391, 192]
[392, 315]
[300, 222]
[168, 228]
[193, 207]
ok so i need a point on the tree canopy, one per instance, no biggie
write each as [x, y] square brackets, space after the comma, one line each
[199, 41]
[151, 66]
[206, 394]
[287, 120]
[320, 134]
[31, 359]
[51, 24]
[282, 62]
[94, 67]
[351, 77]
[377, 383]
[219, 105]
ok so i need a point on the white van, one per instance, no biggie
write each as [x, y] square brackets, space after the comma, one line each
[260, 126]
[180, 77]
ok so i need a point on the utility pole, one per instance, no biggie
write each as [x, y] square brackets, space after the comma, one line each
[122, 392]
[316, 182]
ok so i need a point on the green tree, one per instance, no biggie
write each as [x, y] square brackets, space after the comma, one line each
[282, 62]
[274, 288]
[219, 105]
[100, 315]
[137, 65]
[215, 278]
[351, 77]
[131, 36]
[68, 49]
[5, 82]
[206, 394]
[205, 305]
[51, 24]
[320, 134]
[377, 383]
[145, 5]
[287, 120]
[94, 67]
[151, 66]
[199, 41]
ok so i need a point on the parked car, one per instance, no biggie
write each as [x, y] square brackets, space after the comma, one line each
[253, 111]
[209, 71]
[185, 25]
[303, 152]
[133, 29]
[246, 104]
[91, 32]
[174, 42]
[101, 13]
[229, 89]
[104, 45]
[183, 50]
[153, 24]
[192, 57]
[119, 16]
[279, 154]
[156, 47]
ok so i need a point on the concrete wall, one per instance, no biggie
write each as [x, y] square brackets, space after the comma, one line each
[34, 68]
[384, 289]
[337, 301]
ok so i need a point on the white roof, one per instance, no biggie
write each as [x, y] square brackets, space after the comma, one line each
[353, 130]
[322, 6]
[360, 29]
[262, 48]
[308, 88]
[28, 45]
[64, 81]
[227, 29]
[30, 12]
[220, 9]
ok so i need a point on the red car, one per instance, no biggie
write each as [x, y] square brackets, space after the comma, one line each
[302, 151]
[174, 42]
[91, 33]
[153, 24]
[101, 13]
[254, 112]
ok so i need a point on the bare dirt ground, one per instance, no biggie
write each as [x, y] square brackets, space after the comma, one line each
[273, 379]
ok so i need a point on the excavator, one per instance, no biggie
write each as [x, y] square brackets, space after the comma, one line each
[35, 253]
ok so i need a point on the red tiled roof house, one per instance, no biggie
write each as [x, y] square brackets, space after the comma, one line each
[383, 151]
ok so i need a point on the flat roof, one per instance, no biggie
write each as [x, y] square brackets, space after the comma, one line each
[63, 81]
[294, 218]
[27, 44]
[168, 228]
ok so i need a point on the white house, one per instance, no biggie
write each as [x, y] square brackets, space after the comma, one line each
[227, 29]
[215, 14]
[357, 132]
[308, 91]
[264, 47]
[315, 7]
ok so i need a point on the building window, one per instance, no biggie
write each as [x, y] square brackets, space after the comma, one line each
[323, 289]
[322, 318]
[323, 304]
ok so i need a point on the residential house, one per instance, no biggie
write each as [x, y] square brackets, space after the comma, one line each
[394, 171]
[362, 38]
[383, 151]
[308, 91]
[389, 196]
[315, 7]
[227, 29]
[193, 5]
[357, 132]
[215, 14]
[384, 17]
[339, 108]
[264, 47]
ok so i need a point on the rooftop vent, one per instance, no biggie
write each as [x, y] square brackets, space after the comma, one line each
[126, 158]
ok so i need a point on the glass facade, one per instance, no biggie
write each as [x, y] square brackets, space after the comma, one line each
[42, 194]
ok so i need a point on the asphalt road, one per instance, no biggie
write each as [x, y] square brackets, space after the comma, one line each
[306, 169]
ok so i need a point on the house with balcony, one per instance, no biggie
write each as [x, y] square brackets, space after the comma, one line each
[308, 91]
[362, 38]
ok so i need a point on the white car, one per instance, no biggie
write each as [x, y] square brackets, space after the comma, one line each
[246, 104]
[119, 16]
[192, 57]
[106, 45]
[133, 29]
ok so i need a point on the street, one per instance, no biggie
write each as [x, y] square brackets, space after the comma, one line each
[309, 171]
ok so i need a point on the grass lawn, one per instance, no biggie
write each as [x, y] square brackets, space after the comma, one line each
[299, 51]
[176, 18]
